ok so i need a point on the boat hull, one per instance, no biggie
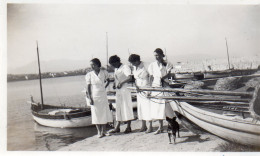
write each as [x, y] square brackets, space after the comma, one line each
[61, 116]
[112, 99]
[64, 123]
[236, 129]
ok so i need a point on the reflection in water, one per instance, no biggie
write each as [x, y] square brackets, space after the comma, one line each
[48, 138]
[23, 134]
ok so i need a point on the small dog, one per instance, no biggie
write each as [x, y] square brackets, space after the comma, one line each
[173, 128]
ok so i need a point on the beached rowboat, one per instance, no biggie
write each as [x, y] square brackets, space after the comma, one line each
[235, 119]
[234, 128]
[212, 74]
[240, 125]
[60, 116]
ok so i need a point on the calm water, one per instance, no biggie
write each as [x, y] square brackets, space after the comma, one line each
[23, 133]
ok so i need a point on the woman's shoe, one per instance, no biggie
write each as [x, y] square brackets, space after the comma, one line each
[115, 131]
[143, 129]
[149, 130]
[128, 130]
[99, 136]
[106, 134]
[158, 131]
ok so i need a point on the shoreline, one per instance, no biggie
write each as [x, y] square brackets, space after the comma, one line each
[140, 141]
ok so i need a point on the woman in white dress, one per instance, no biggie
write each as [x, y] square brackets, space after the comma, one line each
[158, 70]
[124, 106]
[96, 92]
[141, 76]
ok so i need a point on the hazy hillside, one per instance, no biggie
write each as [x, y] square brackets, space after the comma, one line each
[50, 66]
[188, 64]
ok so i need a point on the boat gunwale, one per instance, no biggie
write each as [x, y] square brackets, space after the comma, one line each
[218, 116]
[37, 108]
[69, 116]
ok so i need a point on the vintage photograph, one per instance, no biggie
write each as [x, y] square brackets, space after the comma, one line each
[137, 76]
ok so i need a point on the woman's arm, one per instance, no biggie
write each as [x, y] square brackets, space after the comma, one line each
[150, 84]
[166, 76]
[151, 80]
[90, 94]
[120, 84]
[169, 67]
[107, 83]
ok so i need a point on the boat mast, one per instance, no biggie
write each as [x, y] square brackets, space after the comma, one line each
[165, 54]
[39, 72]
[107, 48]
[227, 54]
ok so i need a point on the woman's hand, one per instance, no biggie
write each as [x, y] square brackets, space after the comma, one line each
[149, 93]
[91, 101]
[114, 86]
[107, 83]
[137, 89]
[119, 85]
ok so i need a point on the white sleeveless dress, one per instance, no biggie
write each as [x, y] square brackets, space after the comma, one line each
[100, 112]
[143, 104]
[159, 109]
[124, 105]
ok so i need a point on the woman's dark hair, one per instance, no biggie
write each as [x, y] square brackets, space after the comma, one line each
[114, 59]
[96, 61]
[159, 52]
[134, 58]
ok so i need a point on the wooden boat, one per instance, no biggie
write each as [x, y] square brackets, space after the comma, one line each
[111, 95]
[231, 127]
[61, 116]
[226, 73]
[235, 117]
[58, 116]
[184, 75]
[216, 74]
[211, 74]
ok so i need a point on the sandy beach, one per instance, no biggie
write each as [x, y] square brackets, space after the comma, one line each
[139, 141]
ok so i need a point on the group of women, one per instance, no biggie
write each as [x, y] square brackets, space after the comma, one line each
[147, 109]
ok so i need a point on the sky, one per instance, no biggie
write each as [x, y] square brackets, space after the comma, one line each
[71, 34]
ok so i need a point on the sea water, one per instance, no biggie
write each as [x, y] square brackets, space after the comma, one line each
[23, 134]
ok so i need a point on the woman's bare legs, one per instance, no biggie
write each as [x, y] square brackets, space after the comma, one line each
[117, 128]
[143, 126]
[150, 127]
[98, 130]
[160, 128]
[102, 127]
[128, 127]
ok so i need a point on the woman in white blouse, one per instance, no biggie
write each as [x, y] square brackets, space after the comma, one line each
[141, 76]
[96, 92]
[158, 70]
[124, 106]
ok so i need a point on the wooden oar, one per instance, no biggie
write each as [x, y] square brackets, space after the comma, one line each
[248, 76]
[220, 102]
[223, 106]
[212, 79]
[184, 98]
[201, 91]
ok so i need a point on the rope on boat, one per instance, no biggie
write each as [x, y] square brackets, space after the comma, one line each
[144, 94]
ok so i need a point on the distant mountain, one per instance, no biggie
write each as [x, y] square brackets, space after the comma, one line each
[50, 66]
[195, 59]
